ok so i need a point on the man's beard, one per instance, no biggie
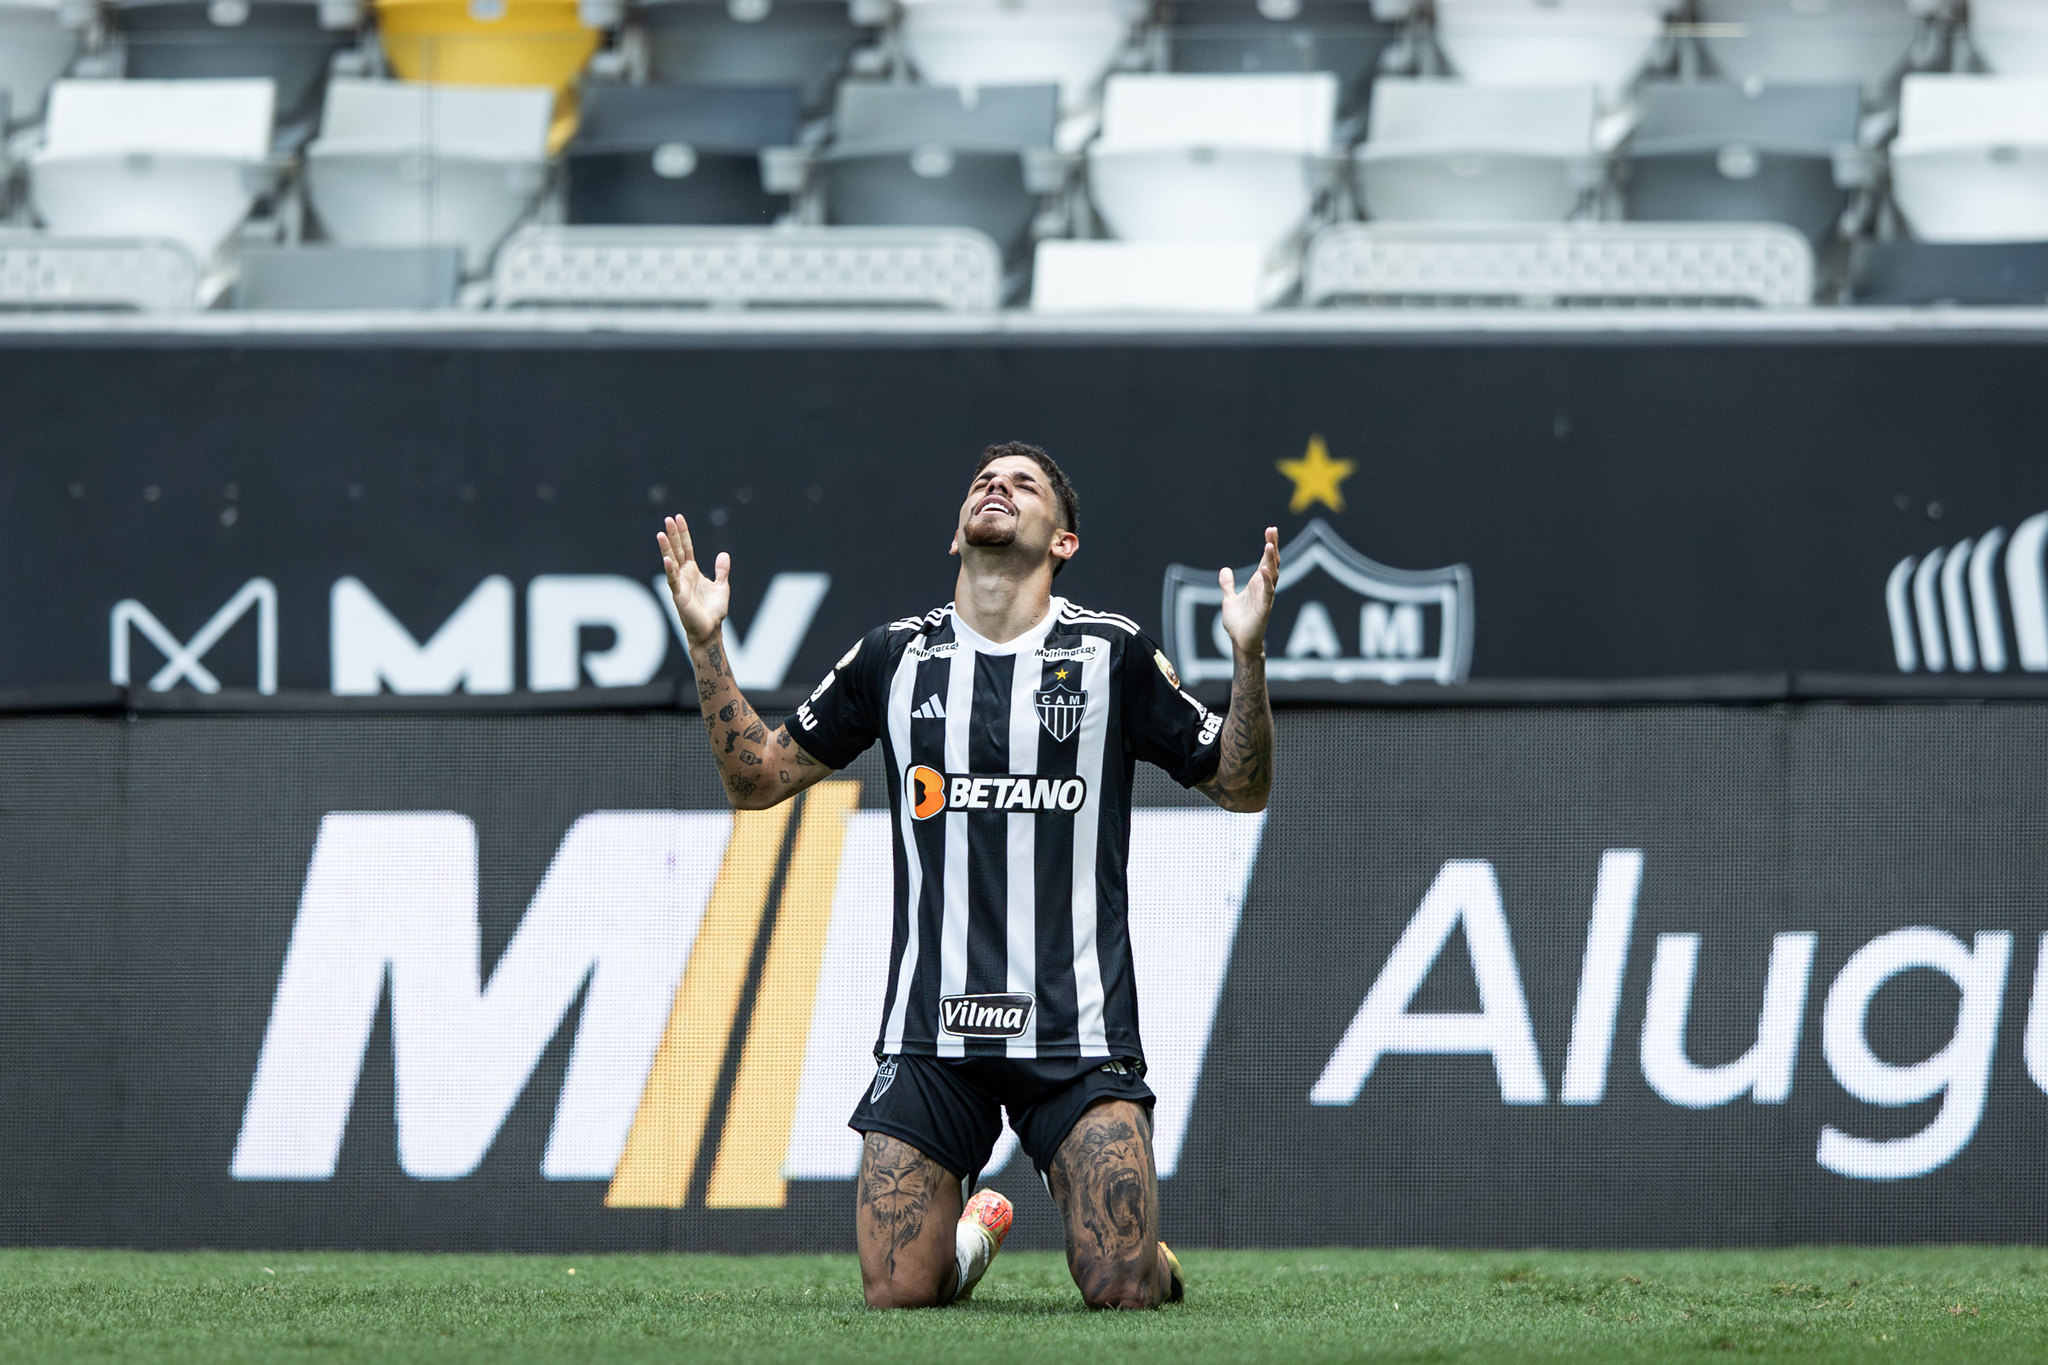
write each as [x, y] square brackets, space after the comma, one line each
[1001, 531]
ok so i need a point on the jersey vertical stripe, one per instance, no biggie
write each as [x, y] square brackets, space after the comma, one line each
[953, 933]
[901, 685]
[1088, 1001]
[1021, 928]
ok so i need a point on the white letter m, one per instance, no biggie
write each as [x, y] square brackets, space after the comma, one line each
[393, 896]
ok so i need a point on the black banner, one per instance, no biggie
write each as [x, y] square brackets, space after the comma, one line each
[430, 515]
[1630, 976]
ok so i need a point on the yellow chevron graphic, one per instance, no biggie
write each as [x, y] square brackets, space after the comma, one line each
[661, 1148]
[748, 1171]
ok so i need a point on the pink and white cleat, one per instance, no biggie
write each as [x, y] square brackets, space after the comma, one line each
[983, 1225]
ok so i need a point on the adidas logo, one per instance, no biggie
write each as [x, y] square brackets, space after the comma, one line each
[933, 709]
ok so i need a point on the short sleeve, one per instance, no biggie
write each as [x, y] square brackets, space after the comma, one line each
[1163, 724]
[839, 720]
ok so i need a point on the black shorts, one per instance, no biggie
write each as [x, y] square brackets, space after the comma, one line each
[951, 1108]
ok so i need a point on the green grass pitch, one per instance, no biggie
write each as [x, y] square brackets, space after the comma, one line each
[1906, 1304]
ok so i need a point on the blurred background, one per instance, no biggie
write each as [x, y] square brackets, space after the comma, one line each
[1062, 156]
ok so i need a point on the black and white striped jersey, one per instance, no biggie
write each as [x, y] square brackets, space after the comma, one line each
[1011, 769]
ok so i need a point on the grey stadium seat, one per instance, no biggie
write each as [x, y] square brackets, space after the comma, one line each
[348, 277]
[804, 43]
[283, 40]
[663, 154]
[1810, 40]
[1725, 153]
[1913, 274]
[929, 156]
[36, 47]
[1277, 36]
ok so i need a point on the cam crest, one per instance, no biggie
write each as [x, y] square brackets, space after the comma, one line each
[1059, 711]
[1338, 617]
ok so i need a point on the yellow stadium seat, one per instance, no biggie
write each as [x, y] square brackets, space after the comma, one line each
[491, 42]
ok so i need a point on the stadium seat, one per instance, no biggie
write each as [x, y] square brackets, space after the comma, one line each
[1814, 41]
[1445, 152]
[180, 160]
[421, 165]
[491, 43]
[1970, 163]
[36, 47]
[972, 43]
[1733, 154]
[2011, 36]
[1602, 43]
[1221, 37]
[402, 277]
[805, 43]
[1916, 274]
[928, 156]
[1212, 158]
[659, 154]
[287, 41]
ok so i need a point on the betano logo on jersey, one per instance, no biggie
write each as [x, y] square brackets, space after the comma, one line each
[667, 942]
[928, 792]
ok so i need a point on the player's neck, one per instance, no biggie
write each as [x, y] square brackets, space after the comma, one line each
[999, 603]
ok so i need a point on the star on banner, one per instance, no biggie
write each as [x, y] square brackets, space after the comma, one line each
[1316, 478]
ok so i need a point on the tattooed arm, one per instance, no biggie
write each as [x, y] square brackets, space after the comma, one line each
[759, 769]
[1244, 770]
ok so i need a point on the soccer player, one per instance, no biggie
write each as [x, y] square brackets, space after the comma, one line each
[1010, 721]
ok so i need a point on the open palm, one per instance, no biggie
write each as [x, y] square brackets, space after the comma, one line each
[1245, 613]
[701, 602]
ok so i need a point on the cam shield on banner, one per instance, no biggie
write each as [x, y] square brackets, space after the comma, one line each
[1396, 625]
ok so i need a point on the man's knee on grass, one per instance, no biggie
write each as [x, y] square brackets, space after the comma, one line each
[1103, 1180]
[907, 1206]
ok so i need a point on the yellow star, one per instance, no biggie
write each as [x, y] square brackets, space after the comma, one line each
[1060, 673]
[1316, 478]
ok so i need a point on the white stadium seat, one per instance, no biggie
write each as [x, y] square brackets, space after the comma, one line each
[35, 49]
[1206, 181]
[419, 165]
[2011, 35]
[1446, 152]
[1816, 41]
[1070, 43]
[1601, 43]
[1970, 163]
[1211, 158]
[179, 160]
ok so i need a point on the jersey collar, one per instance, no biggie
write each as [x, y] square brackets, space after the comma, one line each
[1030, 639]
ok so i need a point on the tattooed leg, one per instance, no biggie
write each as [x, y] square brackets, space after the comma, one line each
[907, 1209]
[1103, 1180]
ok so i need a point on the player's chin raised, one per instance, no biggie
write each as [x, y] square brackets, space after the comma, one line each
[989, 530]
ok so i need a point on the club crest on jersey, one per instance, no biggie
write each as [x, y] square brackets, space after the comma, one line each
[928, 792]
[1059, 711]
[985, 1016]
[885, 1076]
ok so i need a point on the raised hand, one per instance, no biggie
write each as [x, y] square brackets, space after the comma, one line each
[1245, 613]
[701, 602]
